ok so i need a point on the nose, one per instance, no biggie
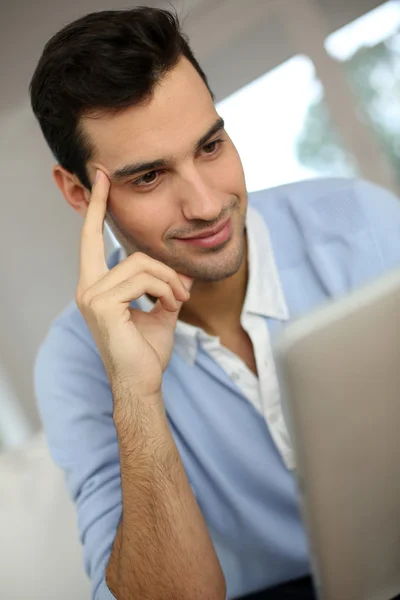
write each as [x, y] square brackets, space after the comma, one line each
[199, 200]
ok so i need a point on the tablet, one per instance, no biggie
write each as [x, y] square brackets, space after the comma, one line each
[339, 370]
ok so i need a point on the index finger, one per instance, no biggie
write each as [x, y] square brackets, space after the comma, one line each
[93, 264]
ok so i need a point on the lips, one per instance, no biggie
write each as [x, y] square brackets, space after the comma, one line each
[207, 233]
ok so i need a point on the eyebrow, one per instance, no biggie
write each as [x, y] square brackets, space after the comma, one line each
[134, 168]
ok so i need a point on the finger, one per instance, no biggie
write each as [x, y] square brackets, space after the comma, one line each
[93, 264]
[170, 317]
[187, 281]
[133, 288]
[138, 263]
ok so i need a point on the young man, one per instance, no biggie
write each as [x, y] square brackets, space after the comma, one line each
[161, 404]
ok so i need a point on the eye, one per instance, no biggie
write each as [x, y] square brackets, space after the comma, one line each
[214, 146]
[145, 179]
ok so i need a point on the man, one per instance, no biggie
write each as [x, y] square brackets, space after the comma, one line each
[157, 388]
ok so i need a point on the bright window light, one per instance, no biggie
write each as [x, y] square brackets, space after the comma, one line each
[265, 118]
[370, 29]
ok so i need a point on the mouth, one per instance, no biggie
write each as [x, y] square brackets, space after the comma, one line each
[208, 232]
[211, 237]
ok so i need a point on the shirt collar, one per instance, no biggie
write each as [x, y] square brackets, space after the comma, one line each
[264, 295]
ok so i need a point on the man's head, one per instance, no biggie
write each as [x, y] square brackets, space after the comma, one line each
[119, 89]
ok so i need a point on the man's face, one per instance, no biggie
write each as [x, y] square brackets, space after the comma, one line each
[196, 190]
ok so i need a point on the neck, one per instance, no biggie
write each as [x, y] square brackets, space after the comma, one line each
[216, 306]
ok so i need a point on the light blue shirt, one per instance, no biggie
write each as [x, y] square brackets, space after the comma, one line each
[328, 237]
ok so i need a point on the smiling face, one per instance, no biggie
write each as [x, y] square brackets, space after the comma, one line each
[199, 185]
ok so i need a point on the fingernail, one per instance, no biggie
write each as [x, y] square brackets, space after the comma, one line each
[97, 175]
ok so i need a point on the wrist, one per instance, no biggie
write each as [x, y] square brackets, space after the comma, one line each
[133, 406]
[126, 390]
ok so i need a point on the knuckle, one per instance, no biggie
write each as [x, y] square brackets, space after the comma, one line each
[85, 298]
[78, 301]
[139, 257]
[171, 274]
[143, 261]
[161, 288]
[88, 301]
[95, 303]
[167, 288]
[178, 280]
[80, 296]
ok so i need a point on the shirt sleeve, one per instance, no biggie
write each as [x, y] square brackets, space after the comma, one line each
[382, 209]
[75, 404]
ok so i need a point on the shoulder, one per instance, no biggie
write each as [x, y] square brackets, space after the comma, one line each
[302, 191]
[357, 195]
[68, 358]
[68, 333]
[68, 337]
[68, 375]
[321, 206]
[341, 232]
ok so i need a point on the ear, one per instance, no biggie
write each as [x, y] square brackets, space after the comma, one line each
[72, 189]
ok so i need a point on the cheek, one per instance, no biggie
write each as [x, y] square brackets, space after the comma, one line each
[230, 173]
[139, 217]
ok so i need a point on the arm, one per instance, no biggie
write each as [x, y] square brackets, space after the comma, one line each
[75, 404]
[76, 407]
[162, 549]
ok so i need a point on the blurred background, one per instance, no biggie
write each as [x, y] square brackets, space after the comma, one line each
[307, 88]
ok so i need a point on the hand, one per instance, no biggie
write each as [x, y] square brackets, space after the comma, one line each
[135, 346]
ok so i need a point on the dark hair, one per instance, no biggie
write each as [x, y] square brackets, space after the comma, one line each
[106, 60]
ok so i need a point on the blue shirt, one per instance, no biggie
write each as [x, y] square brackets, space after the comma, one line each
[328, 237]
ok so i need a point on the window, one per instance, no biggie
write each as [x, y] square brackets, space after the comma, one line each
[266, 121]
[369, 49]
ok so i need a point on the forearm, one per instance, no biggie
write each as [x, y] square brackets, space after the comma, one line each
[162, 549]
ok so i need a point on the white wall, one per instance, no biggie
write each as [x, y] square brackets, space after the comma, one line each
[38, 246]
[234, 40]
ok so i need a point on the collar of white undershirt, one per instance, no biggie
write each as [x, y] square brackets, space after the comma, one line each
[264, 295]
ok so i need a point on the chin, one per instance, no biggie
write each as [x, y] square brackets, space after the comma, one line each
[217, 268]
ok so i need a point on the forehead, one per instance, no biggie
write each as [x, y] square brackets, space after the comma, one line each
[179, 112]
